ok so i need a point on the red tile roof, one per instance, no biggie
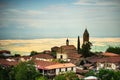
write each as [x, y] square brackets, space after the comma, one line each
[69, 47]
[4, 51]
[66, 48]
[8, 62]
[41, 55]
[51, 65]
[80, 71]
[70, 50]
[110, 54]
[42, 64]
[62, 65]
[105, 59]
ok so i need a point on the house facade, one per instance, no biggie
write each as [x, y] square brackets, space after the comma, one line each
[62, 56]
[52, 68]
[106, 65]
[105, 62]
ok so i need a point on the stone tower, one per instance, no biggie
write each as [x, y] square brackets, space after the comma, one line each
[85, 36]
[67, 42]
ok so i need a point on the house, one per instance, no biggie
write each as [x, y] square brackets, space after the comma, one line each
[91, 78]
[5, 53]
[68, 53]
[42, 56]
[63, 56]
[8, 62]
[53, 68]
[105, 62]
[22, 58]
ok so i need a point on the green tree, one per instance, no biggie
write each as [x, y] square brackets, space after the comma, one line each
[17, 55]
[4, 72]
[25, 71]
[67, 76]
[104, 74]
[33, 53]
[90, 73]
[78, 45]
[86, 49]
[41, 78]
[113, 50]
[108, 74]
[70, 75]
[53, 53]
[60, 77]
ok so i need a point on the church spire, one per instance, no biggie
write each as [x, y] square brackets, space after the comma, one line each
[85, 36]
[67, 42]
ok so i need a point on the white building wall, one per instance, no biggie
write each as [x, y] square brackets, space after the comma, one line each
[44, 59]
[69, 69]
[113, 66]
[74, 69]
[63, 70]
[63, 55]
[57, 71]
[106, 66]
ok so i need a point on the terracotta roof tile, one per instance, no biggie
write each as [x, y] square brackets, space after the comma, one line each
[45, 56]
[42, 64]
[105, 59]
[8, 62]
[110, 54]
[61, 65]
[69, 47]
[51, 65]
[4, 51]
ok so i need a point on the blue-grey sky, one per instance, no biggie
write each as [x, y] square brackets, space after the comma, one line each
[24, 19]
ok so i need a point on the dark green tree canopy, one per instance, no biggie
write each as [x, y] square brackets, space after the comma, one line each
[113, 50]
[78, 45]
[86, 47]
[33, 53]
[67, 76]
[25, 71]
[104, 74]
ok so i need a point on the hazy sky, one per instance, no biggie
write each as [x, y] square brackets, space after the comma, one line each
[23, 19]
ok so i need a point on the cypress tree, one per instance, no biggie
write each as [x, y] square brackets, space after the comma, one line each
[78, 45]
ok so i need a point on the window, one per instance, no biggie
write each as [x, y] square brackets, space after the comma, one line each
[71, 68]
[65, 69]
[60, 70]
[61, 56]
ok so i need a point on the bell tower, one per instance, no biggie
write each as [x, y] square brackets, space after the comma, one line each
[67, 42]
[85, 36]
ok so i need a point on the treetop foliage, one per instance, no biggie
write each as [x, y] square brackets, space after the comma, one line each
[113, 49]
[104, 74]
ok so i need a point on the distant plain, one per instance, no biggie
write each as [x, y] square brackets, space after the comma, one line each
[24, 47]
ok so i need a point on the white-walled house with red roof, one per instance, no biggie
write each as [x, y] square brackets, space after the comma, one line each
[53, 68]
